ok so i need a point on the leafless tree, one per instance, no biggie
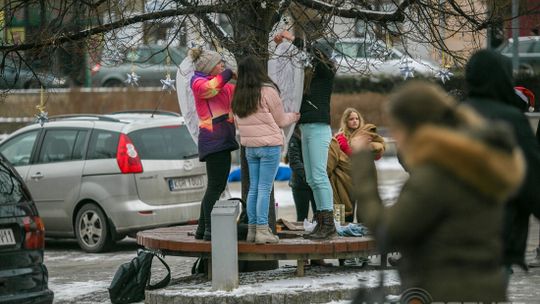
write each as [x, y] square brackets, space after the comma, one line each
[62, 36]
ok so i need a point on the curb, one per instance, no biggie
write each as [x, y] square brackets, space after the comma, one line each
[291, 297]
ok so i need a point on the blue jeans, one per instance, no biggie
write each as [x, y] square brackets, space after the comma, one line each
[316, 139]
[263, 163]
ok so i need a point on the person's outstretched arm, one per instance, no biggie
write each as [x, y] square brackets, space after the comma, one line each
[208, 88]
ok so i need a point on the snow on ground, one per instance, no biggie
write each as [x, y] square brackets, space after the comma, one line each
[283, 280]
[69, 291]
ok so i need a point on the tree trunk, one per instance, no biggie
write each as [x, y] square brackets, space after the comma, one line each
[252, 26]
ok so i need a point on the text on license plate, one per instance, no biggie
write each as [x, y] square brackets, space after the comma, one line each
[183, 183]
[6, 237]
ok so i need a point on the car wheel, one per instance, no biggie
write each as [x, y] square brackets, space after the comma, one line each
[113, 83]
[92, 229]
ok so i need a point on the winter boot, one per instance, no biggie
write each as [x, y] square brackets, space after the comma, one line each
[264, 235]
[252, 228]
[207, 229]
[199, 233]
[536, 261]
[318, 219]
[328, 228]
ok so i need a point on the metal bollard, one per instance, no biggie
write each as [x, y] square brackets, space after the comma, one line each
[225, 245]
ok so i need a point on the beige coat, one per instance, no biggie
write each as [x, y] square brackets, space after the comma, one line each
[339, 173]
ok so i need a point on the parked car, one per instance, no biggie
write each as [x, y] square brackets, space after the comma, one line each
[148, 61]
[23, 276]
[98, 178]
[528, 51]
[359, 56]
[17, 76]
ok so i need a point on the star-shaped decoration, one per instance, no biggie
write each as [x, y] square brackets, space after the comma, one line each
[406, 70]
[42, 118]
[132, 79]
[168, 84]
[444, 74]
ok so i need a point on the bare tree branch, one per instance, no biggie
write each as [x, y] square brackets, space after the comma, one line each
[370, 15]
[227, 42]
[67, 37]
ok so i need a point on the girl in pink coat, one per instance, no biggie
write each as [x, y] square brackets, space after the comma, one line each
[259, 116]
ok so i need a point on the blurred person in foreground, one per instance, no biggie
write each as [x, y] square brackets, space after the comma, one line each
[491, 93]
[447, 221]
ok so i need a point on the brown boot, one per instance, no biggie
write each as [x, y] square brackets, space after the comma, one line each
[316, 217]
[328, 228]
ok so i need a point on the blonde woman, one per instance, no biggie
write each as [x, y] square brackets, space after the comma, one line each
[352, 124]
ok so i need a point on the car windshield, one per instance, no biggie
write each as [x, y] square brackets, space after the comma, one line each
[11, 189]
[165, 143]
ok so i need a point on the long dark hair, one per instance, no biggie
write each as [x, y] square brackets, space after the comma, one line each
[251, 77]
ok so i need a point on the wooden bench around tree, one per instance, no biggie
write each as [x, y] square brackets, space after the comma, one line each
[177, 241]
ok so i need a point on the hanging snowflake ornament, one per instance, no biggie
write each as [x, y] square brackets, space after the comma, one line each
[406, 70]
[168, 84]
[444, 74]
[42, 118]
[132, 79]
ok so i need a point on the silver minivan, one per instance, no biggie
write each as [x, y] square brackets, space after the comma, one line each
[99, 178]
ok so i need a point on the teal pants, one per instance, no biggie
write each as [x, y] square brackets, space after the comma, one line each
[315, 143]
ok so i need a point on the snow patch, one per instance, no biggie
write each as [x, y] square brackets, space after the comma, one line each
[250, 284]
[67, 291]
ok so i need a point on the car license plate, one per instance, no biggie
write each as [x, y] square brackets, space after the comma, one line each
[6, 237]
[183, 183]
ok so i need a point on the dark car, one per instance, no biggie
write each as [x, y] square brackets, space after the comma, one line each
[150, 62]
[16, 76]
[23, 276]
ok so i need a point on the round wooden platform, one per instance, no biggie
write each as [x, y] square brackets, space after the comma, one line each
[177, 241]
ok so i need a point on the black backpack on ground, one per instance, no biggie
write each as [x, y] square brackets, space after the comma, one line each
[133, 278]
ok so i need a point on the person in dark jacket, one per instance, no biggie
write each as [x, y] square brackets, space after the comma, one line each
[491, 93]
[302, 194]
[316, 132]
[447, 220]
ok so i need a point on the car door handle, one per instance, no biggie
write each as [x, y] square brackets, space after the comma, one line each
[38, 175]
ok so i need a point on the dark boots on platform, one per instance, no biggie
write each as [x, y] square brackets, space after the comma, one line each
[199, 233]
[208, 221]
[325, 228]
[317, 218]
[207, 230]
